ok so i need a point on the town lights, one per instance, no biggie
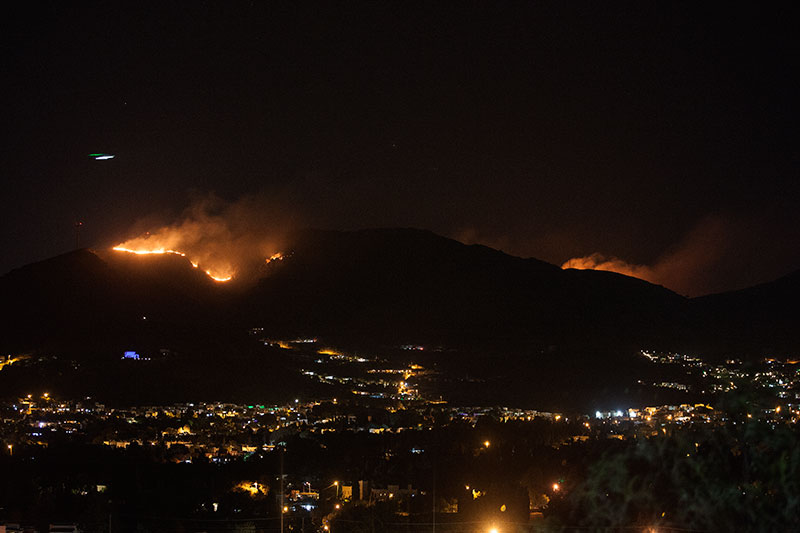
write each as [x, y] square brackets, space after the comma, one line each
[556, 487]
[486, 444]
[493, 530]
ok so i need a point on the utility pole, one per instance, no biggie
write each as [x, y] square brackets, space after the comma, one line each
[435, 460]
[281, 500]
[434, 498]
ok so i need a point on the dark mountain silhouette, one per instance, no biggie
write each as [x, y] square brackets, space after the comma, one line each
[81, 298]
[761, 320]
[562, 330]
[399, 284]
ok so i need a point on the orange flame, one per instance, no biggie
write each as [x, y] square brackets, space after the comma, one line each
[222, 239]
[612, 264]
[216, 276]
[142, 252]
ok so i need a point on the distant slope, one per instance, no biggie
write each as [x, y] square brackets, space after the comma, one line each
[762, 320]
[555, 330]
[401, 284]
[81, 300]
[391, 285]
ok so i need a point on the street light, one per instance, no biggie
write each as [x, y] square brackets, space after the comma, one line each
[334, 484]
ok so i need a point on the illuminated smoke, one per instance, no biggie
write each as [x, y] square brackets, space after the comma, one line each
[598, 261]
[225, 240]
[690, 268]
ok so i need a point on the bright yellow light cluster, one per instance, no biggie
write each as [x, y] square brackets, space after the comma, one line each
[253, 488]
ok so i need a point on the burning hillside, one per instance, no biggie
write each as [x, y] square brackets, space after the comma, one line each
[225, 241]
[216, 275]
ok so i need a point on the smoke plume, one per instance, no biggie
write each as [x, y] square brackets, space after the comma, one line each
[690, 268]
[224, 239]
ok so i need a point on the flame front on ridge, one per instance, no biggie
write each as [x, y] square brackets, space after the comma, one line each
[216, 276]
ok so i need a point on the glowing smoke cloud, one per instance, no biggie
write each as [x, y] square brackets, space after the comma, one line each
[598, 261]
[223, 239]
[689, 266]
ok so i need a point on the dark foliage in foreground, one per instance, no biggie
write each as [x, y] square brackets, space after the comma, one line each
[742, 477]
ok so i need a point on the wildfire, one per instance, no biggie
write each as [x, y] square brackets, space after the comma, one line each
[216, 276]
[158, 251]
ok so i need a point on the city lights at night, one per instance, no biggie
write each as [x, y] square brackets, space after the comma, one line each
[480, 267]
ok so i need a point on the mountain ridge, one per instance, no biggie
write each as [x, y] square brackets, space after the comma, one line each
[387, 285]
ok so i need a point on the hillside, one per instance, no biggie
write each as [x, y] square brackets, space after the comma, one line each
[391, 285]
[555, 331]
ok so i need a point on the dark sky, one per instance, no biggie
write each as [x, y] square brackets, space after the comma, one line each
[659, 133]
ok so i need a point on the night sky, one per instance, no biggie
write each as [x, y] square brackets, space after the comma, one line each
[661, 134]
